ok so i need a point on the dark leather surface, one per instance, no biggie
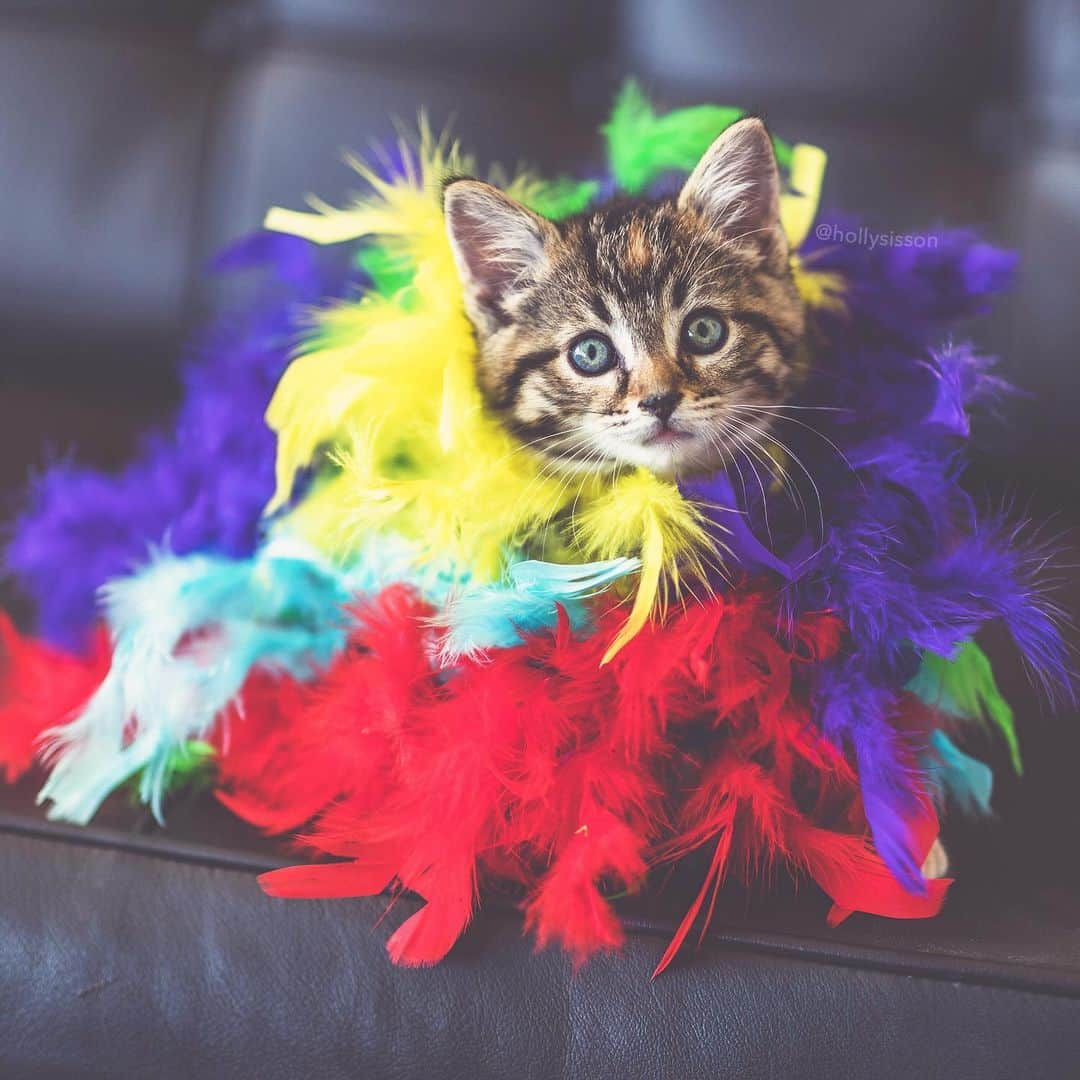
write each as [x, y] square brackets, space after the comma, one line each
[125, 962]
[125, 951]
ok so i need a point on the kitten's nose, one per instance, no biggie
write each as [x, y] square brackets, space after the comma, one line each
[661, 405]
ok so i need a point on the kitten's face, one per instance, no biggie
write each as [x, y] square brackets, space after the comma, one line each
[634, 333]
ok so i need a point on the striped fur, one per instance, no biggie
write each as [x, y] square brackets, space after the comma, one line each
[633, 271]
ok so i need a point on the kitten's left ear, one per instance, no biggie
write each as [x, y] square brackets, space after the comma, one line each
[736, 185]
[498, 244]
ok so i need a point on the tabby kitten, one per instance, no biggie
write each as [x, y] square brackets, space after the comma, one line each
[626, 334]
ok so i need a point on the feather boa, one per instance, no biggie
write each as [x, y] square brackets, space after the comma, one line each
[450, 668]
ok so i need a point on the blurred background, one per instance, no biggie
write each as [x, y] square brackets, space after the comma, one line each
[137, 138]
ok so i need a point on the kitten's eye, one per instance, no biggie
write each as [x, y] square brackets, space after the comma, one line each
[592, 354]
[703, 331]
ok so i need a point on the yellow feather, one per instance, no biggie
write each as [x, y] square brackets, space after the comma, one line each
[799, 206]
[642, 515]
[652, 564]
[821, 289]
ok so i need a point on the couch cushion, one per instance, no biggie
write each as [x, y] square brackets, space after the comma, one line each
[133, 953]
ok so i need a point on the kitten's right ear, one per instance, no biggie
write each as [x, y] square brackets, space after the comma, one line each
[498, 244]
[736, 185]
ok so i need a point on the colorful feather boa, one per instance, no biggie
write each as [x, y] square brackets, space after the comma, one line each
[448, 668]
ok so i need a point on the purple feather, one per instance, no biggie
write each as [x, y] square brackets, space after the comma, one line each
[854, 712]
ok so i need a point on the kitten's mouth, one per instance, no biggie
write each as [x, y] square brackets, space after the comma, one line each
[665, 435]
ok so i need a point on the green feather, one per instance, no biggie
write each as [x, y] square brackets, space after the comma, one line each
[190, 768]
[964, 686]
[389, 273]
[643, 145]
[559, 198]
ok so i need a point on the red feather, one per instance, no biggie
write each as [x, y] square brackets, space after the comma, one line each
[41, 687]
[288, 750]
[537, 765]
[325, 880]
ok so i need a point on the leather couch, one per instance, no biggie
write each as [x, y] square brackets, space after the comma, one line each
[125, 951]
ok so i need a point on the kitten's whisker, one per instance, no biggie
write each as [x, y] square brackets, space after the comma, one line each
[738, 445]
[806, 472]
[598, 456]
[809, 476]
[728, 455]
[775, 467]
[548, 469]
[783, 478]
[562, 433]
[825, 438]
[785, 482]
[781, 405]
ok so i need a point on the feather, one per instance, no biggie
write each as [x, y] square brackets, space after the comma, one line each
[600, 812]
[186, 632]
[751, 808]
[964, 686]
[855, 713]
[426, 937]
[642, 146]
[326, 881]
[821, 289]
[970, 783]
[648, 517]
[289, 751]
[722, 824]
[41, 686]
[857, 880]
[477, 618]
[799, 206]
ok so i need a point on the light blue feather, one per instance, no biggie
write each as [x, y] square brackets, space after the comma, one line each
[480, 617]
[970, 783]
[186, 633]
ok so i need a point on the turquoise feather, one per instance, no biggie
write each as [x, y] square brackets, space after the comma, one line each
[480, 617]
[186, 634]
[970, 783]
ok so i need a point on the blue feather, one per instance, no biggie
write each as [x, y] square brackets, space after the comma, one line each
[969, 782]
[187, 632]
[481, 617]
[854, 712]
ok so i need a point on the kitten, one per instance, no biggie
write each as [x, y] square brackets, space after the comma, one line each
[632, 334]
[627, 334]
